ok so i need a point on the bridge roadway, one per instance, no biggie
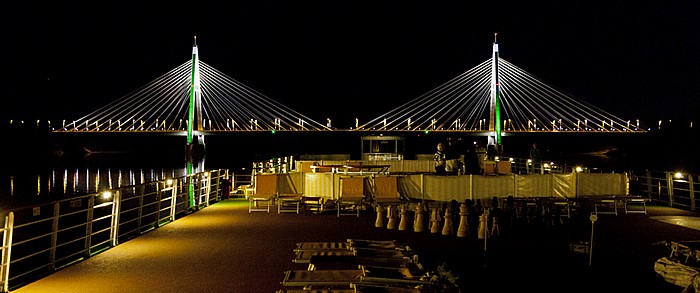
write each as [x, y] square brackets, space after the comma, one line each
[223, 248]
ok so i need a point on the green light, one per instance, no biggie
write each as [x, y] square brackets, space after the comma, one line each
[273, 131]
[427, 131]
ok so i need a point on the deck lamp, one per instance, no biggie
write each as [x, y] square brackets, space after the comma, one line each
[106, 194]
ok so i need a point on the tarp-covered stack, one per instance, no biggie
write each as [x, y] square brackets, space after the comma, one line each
[681, 267]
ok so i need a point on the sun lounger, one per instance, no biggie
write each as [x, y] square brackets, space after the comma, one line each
[365, 275]
[265, 193]
[386, 190]
[352, 196]
[350, 244]
[349, 290]
[356, 289]
[354, 252]
[353, 258]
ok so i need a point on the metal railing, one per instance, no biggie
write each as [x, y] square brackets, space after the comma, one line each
[41, 239]
[676, 189]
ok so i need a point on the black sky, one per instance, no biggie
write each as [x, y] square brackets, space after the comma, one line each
[635, 59]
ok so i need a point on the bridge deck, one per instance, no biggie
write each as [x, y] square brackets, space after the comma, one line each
[224, 248]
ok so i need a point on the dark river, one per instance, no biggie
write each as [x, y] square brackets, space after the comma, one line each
[44, 166]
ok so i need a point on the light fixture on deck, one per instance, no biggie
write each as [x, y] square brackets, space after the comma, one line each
[106, 194]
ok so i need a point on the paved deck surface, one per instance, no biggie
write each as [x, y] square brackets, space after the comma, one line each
[223, 248]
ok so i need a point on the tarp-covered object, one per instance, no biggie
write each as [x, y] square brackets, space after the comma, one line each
[676, 273]
[592, 184]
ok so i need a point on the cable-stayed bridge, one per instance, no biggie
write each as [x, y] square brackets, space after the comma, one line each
[495, 96]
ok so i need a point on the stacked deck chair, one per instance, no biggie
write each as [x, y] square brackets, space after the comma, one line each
[391, 279]
[360, 265]
[356, 289]
[355, 252]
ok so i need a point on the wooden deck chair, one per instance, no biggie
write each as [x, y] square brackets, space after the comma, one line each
[386, 190]
[351, 198]
[265, 193]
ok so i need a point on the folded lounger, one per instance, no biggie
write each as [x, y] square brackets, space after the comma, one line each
[353, 258]
[364, 276]
[351, 244]
[355, 289]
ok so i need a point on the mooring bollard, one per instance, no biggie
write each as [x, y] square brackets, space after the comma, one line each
[463, 229]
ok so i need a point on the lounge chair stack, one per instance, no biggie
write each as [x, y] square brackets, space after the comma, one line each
[357, 265]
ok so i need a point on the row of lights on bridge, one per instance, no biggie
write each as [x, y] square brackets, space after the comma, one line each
[557, 125]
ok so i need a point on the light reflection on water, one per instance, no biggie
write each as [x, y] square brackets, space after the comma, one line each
[21, 187]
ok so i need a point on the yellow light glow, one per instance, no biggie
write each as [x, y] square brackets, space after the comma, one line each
[579, 169]
[170, 182]
[106, 194]
[678, 175]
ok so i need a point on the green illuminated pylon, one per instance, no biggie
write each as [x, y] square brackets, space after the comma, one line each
[495, 117]
[190, 183]
[195, 94]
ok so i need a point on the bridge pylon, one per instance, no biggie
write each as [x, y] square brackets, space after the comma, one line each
[494, 146]
[194, 115]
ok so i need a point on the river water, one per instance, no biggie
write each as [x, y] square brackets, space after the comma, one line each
[42, 167]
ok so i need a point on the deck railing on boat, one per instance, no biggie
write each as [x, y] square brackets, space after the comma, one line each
[676, 189]
[41, 239]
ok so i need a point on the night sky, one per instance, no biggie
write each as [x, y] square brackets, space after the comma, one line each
[344, 59]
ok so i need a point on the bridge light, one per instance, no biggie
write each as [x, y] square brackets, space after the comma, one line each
[427, 131]
[273, 131]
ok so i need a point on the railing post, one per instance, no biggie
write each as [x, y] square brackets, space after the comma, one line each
[669, 187]
[88, 226]
[54, 236]
[7, 251]
[159, 197]
[208, 182]
[140, 194]
[691, 190]
[219, 195]
[173, 199]
[116, 210]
